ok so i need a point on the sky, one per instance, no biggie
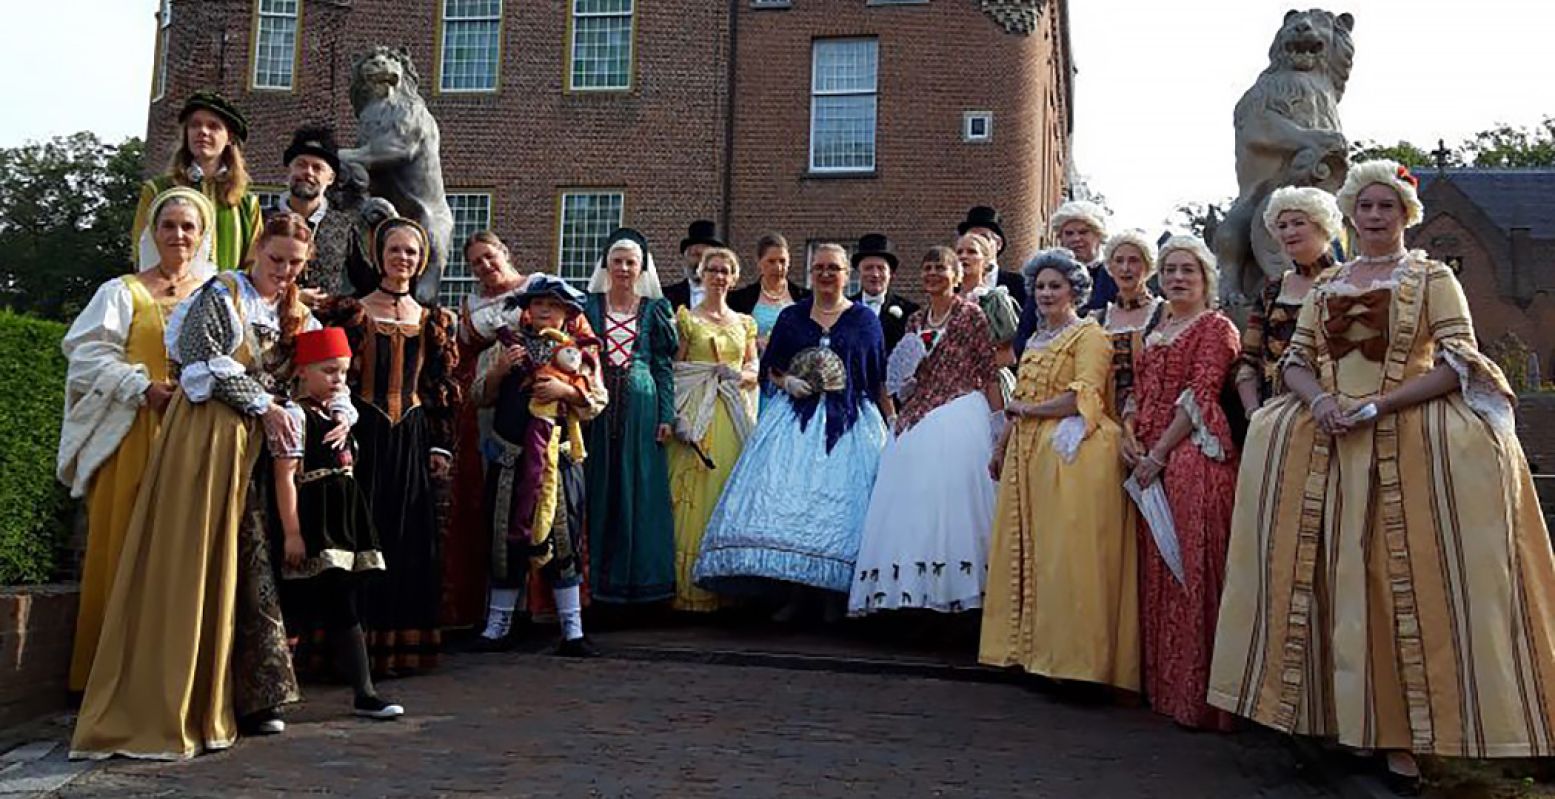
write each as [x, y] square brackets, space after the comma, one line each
[1155, 87]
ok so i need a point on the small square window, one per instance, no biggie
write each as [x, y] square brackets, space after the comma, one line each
[771, 4]
[977, 126]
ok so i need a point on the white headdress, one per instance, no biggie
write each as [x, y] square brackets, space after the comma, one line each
[647, 282]
[1390, 174]
[1079, 210]
[1196, 247]
[1318, 205]
[203, 265]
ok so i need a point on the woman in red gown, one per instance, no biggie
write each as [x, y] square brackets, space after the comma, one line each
[1177, 433]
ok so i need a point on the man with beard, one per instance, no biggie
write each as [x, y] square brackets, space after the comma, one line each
[312, 162]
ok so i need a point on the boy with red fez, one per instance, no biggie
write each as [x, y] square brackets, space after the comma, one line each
[542, 384]
[328, 540]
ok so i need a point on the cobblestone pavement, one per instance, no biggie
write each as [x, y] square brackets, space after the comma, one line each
[527, 725]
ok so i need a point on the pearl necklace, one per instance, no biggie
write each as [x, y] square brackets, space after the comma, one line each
[928, 316]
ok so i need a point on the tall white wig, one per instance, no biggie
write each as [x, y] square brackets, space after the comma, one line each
[1093, 215]
[1139, 240]
[1388, 173]
[647, 282]
[1319, 206]
[203, 267]
[1194, 246]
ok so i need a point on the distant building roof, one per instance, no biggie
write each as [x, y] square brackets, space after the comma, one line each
[1510, 197]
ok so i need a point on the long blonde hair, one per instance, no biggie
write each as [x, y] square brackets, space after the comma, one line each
[231, 180]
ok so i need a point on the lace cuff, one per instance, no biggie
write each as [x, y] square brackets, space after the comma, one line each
[1069, 434]
[1204, 438]
[1484, 387]
[198, 379]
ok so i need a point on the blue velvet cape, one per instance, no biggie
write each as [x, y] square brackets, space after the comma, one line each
[857, 339]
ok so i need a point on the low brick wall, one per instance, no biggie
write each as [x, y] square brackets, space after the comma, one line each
[37, 629]
[1536, 430]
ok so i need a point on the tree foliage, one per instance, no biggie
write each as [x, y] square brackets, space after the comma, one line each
[1506, 146]
[1403, 152]
[1199, 218]
[66, 206]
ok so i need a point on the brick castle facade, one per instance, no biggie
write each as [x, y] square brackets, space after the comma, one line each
[711, 112]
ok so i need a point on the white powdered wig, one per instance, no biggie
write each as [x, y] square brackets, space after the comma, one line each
[1319, 206]
[647, 282]
[1195, 247]
[1137, 238]
[1082, 210]
[1388, 173]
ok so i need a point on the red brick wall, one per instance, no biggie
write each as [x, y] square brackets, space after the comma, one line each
[664, 142]
[936, 61]
[1494, 313]
[37, 632]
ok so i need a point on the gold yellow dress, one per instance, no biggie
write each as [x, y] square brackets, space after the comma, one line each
[162, 684]
[1062, 595]
[115, 483]
[694, 488]
[1394, 587]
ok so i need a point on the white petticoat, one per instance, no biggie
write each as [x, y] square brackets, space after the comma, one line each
[926, 534]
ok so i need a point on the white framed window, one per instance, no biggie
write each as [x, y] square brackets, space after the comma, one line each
[470, 45]
[270, 198]
[159, 70]
[586, 217]
[275, 43]
[600, 50]
[977, 126]
[472, 214]
[843, 100]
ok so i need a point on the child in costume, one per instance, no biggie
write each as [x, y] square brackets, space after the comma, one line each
[543, 385]
[328, 539]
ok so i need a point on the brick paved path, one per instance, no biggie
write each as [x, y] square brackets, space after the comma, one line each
[534, 725]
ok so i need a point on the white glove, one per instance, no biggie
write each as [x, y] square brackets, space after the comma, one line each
[727, 373]
[798, 388]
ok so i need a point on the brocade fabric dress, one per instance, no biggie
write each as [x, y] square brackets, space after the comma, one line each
[1394, 587]
[1186, 371]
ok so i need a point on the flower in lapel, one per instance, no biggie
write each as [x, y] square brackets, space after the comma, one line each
[894, 310]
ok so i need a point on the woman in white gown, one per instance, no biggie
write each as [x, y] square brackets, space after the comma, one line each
[925, 542]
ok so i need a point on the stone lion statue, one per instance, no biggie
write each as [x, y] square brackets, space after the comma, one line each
[398, 145]
[1287, 134]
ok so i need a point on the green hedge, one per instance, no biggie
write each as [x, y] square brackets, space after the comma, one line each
[34, 507]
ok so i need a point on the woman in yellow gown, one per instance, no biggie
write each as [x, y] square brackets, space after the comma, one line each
[118, 386]
[1390, 582]
[192, 629]
[1062, 595]
[715, 410]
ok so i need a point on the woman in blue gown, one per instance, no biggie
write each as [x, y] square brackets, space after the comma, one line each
[793, 510]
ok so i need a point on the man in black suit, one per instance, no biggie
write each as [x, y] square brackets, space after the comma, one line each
[876, 265]
[986, 221]
[687, 292]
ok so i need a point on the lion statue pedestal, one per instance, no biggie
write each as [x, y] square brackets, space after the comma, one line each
[1287, 134]
[398, 144]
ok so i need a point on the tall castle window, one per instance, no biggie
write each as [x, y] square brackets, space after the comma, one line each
[470, 45]
[275, 43]
[600, 58]
[843, 98]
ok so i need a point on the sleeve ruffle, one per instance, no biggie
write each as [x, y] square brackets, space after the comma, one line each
[198, 379]
[94, 348]
[439, 390]
[1203, 436]
[1484, 386]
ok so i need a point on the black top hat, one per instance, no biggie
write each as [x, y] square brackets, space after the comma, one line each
[702, 231]
[627, 234]
[874, 244]
[985, 217]
[543, 285]
[220, 106]
[317, 141]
